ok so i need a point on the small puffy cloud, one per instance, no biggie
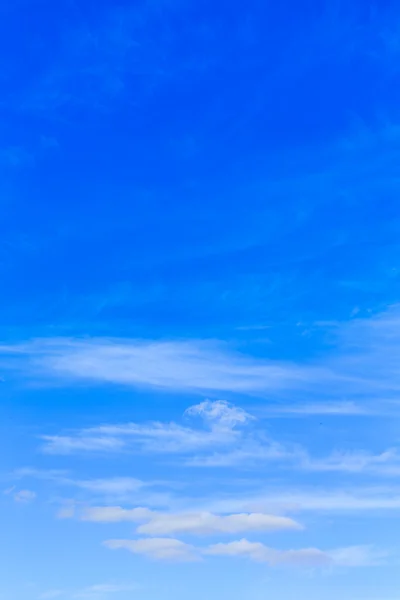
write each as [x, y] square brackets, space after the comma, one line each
[157, 548]
[220, 413]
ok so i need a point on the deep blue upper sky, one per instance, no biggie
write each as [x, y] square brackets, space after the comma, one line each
[192, 166]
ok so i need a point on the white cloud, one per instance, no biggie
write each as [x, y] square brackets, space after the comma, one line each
[157, 548]
[220, 414]
[195, 523]
[260, 553]
[50, 594]
[353, 556]
[173, 549]
[208, 523]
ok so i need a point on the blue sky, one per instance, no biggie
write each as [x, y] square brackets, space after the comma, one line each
[199, 308]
